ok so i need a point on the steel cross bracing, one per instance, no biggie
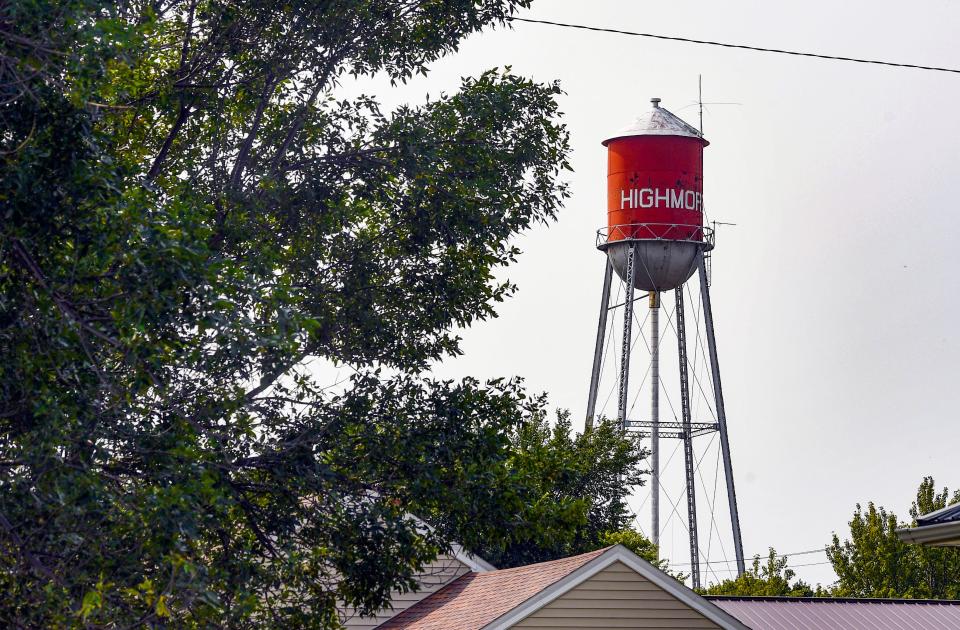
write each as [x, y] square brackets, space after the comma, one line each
[688, 459]
[676, 430]
[686, 429]
[624, 394]
[721, 412]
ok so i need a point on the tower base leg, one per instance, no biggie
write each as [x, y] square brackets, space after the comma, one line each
[721, 414]
[598, 349]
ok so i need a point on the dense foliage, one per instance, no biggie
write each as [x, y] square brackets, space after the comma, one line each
[874, 562]
[772, 579]
[192, 222]
[570, 489]
[643, 547]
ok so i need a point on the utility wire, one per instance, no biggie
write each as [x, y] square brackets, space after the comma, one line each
[706, 42]
[779, 555]
[734, 570]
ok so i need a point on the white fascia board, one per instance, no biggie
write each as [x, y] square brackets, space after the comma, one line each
[617, 553]
[475, 563]
[938, 535]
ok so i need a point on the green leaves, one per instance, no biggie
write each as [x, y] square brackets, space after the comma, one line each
[771, 579]
[191, 217]
[874, 562]
[559, 494]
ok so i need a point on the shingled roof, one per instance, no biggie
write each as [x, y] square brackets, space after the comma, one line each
[473, 600]
[498, 600]
[529, 597]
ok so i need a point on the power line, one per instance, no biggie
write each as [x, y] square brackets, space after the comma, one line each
[801, 553]
[779, 555]
[734, 569]
[706, 42]
[811, 564]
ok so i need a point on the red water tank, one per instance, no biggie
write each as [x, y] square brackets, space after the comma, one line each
[655, 200]
[655, 179]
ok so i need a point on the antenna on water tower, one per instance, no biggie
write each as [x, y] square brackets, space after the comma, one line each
[655, 240]
[700, 99]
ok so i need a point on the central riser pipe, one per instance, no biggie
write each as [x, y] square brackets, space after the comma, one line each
[655, 416]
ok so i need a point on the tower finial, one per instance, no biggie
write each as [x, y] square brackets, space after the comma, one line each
[656, 102]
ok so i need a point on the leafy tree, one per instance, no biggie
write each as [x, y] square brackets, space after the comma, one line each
[571, 491]
[772, 579]
[874, 562]
[191, 216]
[635, 542]
[642, 546]
[569, 495]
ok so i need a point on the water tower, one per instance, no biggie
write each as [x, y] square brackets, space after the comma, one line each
[655, 240]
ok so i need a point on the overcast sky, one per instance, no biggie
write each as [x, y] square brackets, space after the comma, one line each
[835, 295]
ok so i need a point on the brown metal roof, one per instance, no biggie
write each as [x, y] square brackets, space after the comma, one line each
[816, 613]
[473, 600]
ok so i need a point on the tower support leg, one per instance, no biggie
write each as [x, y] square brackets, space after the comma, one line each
[721, 414]
[623, 393]
[598, 349]
[655, 417]
[689, 463]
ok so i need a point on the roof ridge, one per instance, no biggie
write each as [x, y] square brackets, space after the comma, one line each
[832, 600]
[577, 560]
[947, 514]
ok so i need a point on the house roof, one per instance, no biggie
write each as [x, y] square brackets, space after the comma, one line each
[474, 563]
[498, 599]
[938, 529]
[475, 599]
[949, 514]
[824, 613]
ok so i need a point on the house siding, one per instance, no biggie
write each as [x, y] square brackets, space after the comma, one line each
[616, 597]
[434, 576]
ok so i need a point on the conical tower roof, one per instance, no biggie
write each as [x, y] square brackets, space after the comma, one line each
[659, 121]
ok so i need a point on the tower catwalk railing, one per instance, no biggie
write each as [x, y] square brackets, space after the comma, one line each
[673, 232]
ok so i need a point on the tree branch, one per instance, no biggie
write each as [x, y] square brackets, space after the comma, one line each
[168, 142]
[31, 559]
[268, 85]
[267, 380]
[301, 114]
[65, 308]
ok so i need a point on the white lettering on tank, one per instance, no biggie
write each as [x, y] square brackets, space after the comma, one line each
[646, 198]
[674, 199]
